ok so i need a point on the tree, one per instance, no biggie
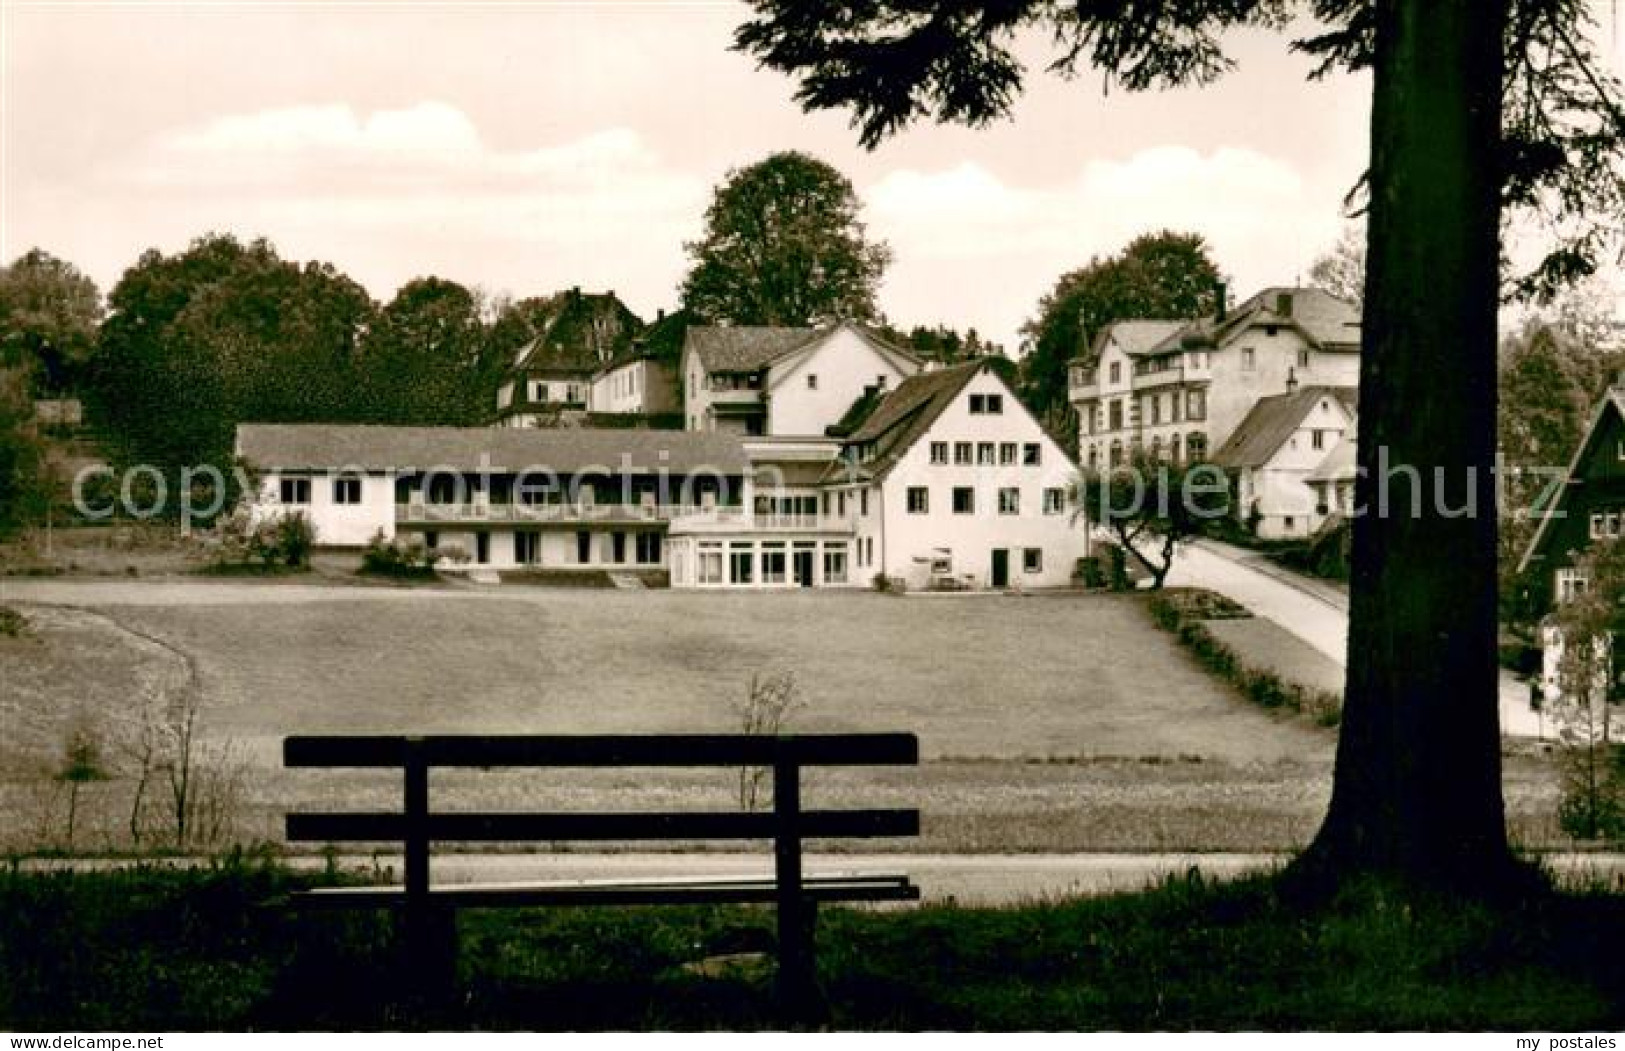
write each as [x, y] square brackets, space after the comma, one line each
[1342, 270]
[1476, 104]
[24, 478]
[220, 334]
[1587, 634]
[783, 246]
[1151, 506]
[1159, 275]
[427, 360]
[49, 313]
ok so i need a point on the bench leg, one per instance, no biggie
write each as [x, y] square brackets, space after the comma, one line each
[797, 985]
[429, 951]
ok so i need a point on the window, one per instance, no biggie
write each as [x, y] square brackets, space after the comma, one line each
[1010, 501]
[1571, 584]
[1007, 453]
[1303, 358]
[964, 500]
[826, 505]
[1289, 523]
[1317, 439]
[741, 563]
[1055, 501]
[583, 546]
[346, 490]
[1115, 413]
[1173, 446]
[834, 564]
[985, 452]
[648, 548]
[812, 381]
[295, 490]
[1196, 447]
[986, 404]
[995, 404]
[431, 539]
[840, 504]
[617, 547]
[1032, 560]
[919, 500]
[1156, 409]
[1031, 454]
[962, 453]
[977, 405]
[1196, 405]
[1605, 524]
[1248, 359]
[939, 452]
[527, 547]
[863, 502]
[711, 564]
[1115, 371]
[773, 562]
[880, 382]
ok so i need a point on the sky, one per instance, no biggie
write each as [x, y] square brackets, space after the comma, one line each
[529, 147]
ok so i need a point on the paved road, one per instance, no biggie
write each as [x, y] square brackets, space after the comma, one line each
[1313, 610]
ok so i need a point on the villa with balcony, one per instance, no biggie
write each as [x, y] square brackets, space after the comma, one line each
[1177, 390]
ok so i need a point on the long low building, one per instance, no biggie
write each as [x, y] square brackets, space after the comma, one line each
[945, 481]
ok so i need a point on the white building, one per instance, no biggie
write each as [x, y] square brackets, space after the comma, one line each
[1283, 454]
[570, 498]
[1178, 389]
[948, 481]
[783, 382]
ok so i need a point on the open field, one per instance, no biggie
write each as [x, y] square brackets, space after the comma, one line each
[1047, 723]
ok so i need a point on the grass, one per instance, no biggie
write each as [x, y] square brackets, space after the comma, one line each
[219, 949]
[1185, 613]
[1063, 724]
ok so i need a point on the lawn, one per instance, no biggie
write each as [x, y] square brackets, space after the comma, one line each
[1046, 723]
[220, 949]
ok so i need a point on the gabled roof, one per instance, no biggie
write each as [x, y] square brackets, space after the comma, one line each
[1135, 337]
[1326, 322]
[746, 348]
[905, 415]
[1613, 401]
[578, 332]
[315, 447]
[1270, 423]
[751, 348]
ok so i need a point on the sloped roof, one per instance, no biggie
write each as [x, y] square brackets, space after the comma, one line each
[578, 332]
[297, 447]
[1613, 400]
[746, 348]
[751, 348]
[1327, 322]
[1269, 424]
[905, 415]
[1337, 466]
[1136, 336]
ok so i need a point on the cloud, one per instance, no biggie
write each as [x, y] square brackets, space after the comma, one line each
[409, 189]
[964, 231]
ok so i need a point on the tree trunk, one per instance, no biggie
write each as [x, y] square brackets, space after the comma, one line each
[1417, 792]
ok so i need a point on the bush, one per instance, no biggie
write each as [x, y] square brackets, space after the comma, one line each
[391, 558]
[1182, 613]
[12, 623]
[279, 543]
[1089, 572]
[1518, 656]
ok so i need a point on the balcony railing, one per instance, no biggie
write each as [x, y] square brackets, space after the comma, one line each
[689, 514]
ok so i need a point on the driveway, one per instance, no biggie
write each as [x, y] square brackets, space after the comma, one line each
[1313, 610]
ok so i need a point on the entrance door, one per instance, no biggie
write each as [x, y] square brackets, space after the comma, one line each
[804, 569]
[482, 547]
[1001, 567]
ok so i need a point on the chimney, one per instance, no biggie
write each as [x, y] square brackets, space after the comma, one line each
[1283, 304]
[1291, 381]
[660, 314]
[1221, 293]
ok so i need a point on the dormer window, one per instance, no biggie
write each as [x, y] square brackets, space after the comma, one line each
[1116, 371]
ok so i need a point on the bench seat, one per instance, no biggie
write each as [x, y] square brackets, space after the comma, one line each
[716, 890]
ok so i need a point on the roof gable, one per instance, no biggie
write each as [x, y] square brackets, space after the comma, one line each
[1270, 423]
[1609, 415]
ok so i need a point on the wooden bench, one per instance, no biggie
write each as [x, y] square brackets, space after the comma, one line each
[428, 910]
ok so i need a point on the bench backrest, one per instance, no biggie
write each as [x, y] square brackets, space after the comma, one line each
[415, 826]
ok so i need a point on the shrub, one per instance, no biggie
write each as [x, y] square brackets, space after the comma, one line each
[12, 623]
[1089, 572]
[391, 558]
[1182, 613]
